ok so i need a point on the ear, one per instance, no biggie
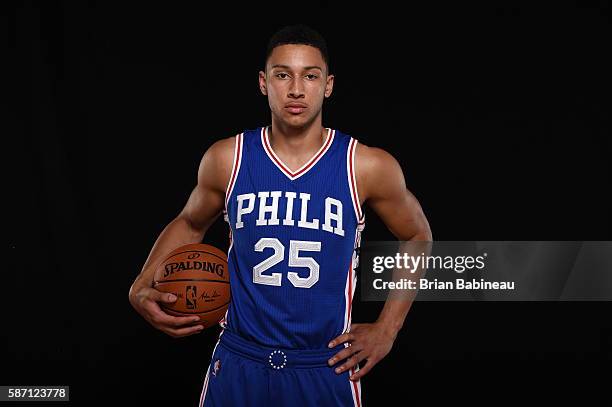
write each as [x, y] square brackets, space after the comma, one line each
[262, 83]
[329, 85]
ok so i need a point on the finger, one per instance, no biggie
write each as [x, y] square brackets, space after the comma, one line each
[178, 322]
[343, 354]
[179, 333]
[159, 317]
[351, 362]
[165, 297]
[341, 339]
[362, 371]
[159, 296]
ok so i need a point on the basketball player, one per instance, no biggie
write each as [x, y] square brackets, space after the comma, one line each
[293, 194]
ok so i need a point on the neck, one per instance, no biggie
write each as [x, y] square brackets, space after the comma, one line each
[296, 141]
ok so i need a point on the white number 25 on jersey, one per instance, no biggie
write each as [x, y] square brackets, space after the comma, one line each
[294, 261]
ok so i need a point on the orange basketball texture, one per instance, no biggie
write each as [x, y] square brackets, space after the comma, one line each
[198, 275]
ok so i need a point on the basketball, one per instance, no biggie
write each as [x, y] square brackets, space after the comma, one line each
[198, 275]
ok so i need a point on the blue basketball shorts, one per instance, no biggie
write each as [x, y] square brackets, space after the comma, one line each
[242, 373]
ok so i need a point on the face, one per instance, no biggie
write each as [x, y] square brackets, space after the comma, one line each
[296, 82]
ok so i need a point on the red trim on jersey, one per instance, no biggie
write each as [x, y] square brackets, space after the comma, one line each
[356, 388]
[234, 168]
[309, 163]
[350, 292]
[353, 182]
[346, 302]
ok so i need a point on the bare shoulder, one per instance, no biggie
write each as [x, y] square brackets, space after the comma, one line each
[375, 169]
[216, 165]
[222, 150]
[373, 158]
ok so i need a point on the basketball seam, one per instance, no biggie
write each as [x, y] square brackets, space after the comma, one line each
[203, 312]
[191, 279]
[195, 251]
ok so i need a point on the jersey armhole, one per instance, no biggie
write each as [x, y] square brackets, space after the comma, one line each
[235, 169]
[352, 181]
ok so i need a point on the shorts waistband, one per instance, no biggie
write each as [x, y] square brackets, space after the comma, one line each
[277, 358]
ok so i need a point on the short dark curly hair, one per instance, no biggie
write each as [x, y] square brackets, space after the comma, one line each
[298, 34]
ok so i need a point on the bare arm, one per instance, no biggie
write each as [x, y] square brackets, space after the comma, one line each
[204, 205]
[386, 193]
[381, 184]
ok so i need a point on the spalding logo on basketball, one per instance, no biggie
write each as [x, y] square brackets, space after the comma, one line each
[197, 274]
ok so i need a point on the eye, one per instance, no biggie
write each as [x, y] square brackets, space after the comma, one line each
[311, 76]
[282, 75]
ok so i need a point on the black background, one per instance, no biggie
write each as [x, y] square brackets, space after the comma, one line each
[499, 114]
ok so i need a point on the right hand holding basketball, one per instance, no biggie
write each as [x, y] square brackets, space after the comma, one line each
[145, 301]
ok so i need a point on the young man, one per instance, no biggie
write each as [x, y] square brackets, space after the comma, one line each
[292, 194]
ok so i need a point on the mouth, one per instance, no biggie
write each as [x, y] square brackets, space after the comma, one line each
[295, 108]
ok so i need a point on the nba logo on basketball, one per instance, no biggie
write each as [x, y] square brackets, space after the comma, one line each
[190, 296]
[216, 367]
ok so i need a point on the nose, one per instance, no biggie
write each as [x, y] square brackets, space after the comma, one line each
[296, 89]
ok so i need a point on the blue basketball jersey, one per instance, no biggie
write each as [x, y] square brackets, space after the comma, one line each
[293, 241]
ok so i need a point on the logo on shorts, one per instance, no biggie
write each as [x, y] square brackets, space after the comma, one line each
[277, 359]
[216, 367]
